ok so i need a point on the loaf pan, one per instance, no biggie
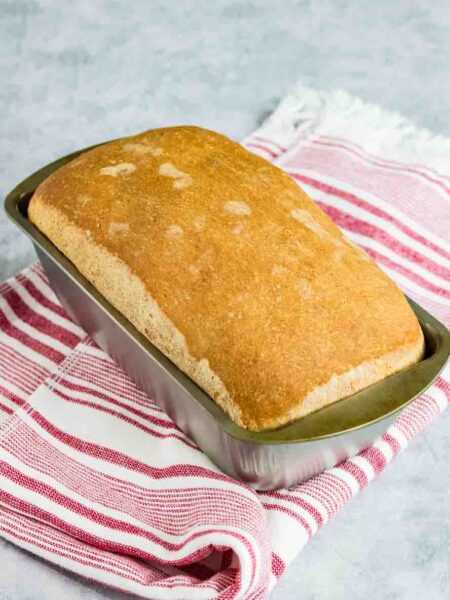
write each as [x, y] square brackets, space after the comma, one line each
[266, 460]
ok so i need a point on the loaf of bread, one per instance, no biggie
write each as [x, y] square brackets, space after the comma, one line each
[231, 270]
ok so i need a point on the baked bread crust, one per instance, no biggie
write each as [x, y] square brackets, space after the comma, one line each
[231, 270]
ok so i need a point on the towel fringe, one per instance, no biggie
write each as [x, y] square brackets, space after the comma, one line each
[307, 112]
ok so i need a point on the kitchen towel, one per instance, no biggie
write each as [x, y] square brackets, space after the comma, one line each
[96, 478]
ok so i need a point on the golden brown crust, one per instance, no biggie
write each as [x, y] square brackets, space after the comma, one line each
[228, 267]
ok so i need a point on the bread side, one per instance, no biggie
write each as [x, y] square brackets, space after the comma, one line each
[126, 292]
[231, 271]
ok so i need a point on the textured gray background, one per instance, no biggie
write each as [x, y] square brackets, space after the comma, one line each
[75, 76]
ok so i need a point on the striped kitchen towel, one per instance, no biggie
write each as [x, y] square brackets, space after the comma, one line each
[96, 478]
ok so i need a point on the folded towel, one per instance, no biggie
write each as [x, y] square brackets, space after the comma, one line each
[96, 478]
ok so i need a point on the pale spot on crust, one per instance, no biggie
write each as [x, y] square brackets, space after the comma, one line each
[120, 169]
[202, 262]
[169, 170]
[84, 199]
[143, 148]
[237, 208]
[304, 288]
[182, 182]
[305, 218]
[118, 228]
[242, 297]
[338, 253]
[182, 179]
[238, 228]
[278, 270]
[193, 269]
[234, 315]
[174, 230]
[200, 222]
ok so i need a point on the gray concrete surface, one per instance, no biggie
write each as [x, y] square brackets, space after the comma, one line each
[75, 73]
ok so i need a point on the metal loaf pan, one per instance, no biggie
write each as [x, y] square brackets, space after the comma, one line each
[267, 460]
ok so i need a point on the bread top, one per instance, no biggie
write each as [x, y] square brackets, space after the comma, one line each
[254, 275]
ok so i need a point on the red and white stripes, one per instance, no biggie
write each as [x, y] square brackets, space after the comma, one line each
[97, 479]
